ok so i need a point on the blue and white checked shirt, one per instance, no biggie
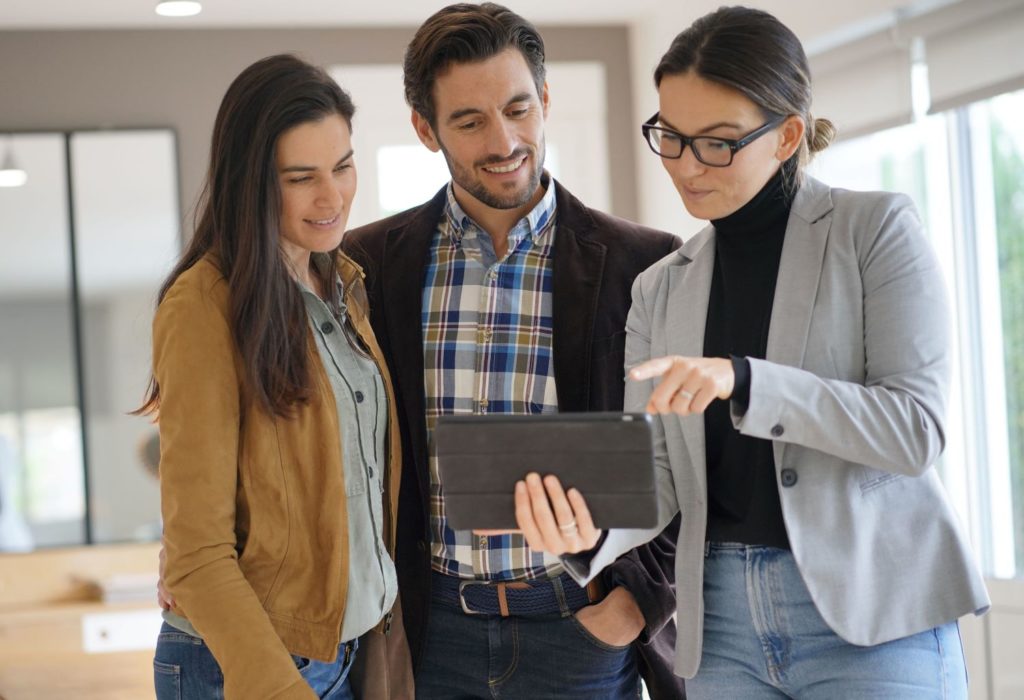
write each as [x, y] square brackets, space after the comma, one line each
[487, 343]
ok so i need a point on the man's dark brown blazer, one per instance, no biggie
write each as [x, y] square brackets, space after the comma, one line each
[596, 258]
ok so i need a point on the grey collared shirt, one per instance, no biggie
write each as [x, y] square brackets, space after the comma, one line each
[362, 413]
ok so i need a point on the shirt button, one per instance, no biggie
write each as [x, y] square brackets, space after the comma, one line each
[788, 477]
[327, 327]
[359, 397]
[483, 406]
[486, 334]
[777, 430]
[483, 543]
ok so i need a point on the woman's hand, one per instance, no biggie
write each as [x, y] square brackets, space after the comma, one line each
[688, 384]
[552, 520]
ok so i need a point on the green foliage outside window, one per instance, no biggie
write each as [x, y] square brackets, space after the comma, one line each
[1008, 181]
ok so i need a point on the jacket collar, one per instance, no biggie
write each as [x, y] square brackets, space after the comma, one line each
[578, 268]
[799, 274]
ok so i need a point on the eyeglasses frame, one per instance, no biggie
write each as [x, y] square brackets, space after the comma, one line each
[733, 144]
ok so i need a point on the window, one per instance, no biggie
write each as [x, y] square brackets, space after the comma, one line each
[964, 169]
[1000, 132]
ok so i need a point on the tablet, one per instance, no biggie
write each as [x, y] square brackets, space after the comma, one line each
[609, 457]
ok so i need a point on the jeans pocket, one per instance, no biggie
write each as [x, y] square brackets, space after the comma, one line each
[592, 639]
[166, 681]
[301, 662]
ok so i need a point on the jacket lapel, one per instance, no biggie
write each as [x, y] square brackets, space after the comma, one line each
[578, 267]
[403, 270]
[796, 289]
[689, 291]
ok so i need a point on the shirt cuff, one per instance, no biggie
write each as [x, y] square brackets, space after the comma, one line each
[741, 386]
[578, 565]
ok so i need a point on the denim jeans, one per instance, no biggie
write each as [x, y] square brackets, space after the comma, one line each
[184, 669]
[764, 638]
[536, 657]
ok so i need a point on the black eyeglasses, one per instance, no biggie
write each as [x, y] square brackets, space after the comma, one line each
[709, 150]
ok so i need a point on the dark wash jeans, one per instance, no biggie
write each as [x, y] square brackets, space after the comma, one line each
[184, 669]
[527, 657]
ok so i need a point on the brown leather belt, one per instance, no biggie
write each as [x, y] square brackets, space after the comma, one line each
[521, 598]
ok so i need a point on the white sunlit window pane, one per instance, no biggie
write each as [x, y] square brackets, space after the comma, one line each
[914, 159]
[1004, 192]
[15, 534]
[53, 465]
[408, 175]
[411, 174]
[965, 172]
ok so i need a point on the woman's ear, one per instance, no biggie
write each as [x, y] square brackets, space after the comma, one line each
[792, 131]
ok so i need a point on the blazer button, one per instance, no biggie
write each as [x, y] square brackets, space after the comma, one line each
[359, 397]
[777, 430]
[788, 477]
[327, 327]
[421, 545]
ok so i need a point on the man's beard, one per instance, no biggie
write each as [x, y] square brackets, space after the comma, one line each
[505, 200]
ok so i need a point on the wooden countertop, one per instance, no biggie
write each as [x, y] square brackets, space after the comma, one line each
[52, 636]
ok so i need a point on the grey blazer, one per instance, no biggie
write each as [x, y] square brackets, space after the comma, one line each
[853, 395]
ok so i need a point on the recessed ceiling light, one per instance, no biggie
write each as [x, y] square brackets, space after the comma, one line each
[178, 8]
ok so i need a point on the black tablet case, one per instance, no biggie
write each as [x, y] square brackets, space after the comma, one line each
[607, 456]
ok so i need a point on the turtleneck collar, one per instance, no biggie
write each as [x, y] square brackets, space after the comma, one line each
[767, 211]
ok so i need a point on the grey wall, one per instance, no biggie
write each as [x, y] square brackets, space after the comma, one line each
[176, 78]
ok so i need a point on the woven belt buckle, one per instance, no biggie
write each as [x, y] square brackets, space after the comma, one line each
[462, 599]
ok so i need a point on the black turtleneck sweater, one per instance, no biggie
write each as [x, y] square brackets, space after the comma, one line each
[743, 498]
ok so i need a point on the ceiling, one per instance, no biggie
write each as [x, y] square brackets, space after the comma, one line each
[809, 18]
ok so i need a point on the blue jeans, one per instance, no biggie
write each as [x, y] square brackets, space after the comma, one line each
[184, 669]
[764, 638]
[534, 657]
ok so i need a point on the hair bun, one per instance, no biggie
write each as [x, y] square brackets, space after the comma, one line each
[820, 135]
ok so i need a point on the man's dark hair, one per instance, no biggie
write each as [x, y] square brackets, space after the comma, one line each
[466, 33]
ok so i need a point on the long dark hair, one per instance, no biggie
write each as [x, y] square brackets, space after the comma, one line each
[239, 224]
[755, 54]
[466, 33]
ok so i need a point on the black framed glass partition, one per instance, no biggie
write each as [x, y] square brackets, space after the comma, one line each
[87, 239]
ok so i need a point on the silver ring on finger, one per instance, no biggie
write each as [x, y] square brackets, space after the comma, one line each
[570, 528]
[686, 394]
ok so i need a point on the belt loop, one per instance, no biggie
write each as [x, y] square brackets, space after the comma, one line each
[707, 548]
[563, 604]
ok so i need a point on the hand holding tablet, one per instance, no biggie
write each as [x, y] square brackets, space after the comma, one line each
[553, 520]
[606, 457]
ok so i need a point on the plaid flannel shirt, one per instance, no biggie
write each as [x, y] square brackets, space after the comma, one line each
[487, 343]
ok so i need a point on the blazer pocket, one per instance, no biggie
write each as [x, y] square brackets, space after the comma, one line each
[873, 478]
